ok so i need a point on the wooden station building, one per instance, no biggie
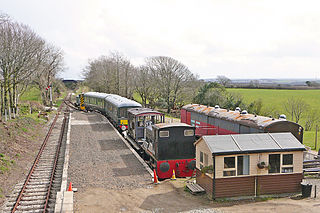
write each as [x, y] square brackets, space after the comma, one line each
[249, 164]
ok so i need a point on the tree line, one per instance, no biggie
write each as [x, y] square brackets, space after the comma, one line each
[161, 82]
[166, 83]
[25, 59]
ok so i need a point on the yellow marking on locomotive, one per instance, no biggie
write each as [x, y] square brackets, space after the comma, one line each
[82, 107]
[124, 122]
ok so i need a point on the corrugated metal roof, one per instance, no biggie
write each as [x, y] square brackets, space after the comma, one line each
[168, 125]
[256, 121]
[121, 101]
[250, 143]
[138, 111]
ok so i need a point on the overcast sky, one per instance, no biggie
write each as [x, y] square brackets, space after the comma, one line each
[238, 39]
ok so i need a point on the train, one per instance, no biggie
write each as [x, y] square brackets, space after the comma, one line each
[166, 147]
[217, 121]
[113, 106]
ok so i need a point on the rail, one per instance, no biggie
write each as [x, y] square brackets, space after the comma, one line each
[37, 160]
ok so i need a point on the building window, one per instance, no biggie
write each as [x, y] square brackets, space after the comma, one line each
[229, 166]
[188, 132]
[201, 157]
[243, 165]
[205, 159]
[287, 163]
[164, 134]
[274, 163]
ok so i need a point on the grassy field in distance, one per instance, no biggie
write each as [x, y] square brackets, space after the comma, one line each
[276, 99]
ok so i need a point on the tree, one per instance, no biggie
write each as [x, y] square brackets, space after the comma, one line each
[50, 64]
[223, 80]
[110, 74]
[296, 107]
[311, 119]
[143, 83]
[171, 77]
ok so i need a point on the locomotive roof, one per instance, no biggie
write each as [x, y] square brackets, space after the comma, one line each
[139, 111]
[170, 125]
[252, 143]
[96, 95]
[121, 101]
[252, 120]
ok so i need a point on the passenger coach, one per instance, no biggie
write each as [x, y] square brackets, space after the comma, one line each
[113, 106]
[216, 121]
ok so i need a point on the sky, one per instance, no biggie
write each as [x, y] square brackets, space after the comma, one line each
[238, 39]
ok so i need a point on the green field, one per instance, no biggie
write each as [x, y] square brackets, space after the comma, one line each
[276, 98]
[32, 94]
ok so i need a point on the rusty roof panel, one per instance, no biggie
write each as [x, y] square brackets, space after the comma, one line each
[234, 116]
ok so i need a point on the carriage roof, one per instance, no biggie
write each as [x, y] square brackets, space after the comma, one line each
[119, 101]
[252, 120]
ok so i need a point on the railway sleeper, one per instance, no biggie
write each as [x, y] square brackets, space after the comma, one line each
[30, 194]
[31, 207]
[32, 202]
[30, 198]
[31, 190]
[38, 182]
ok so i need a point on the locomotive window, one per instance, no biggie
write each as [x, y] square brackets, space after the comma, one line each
[188, 132]
[163, 134]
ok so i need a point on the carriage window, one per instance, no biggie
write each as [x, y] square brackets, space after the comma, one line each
[163, 134]
[188, 132]
[123, 112]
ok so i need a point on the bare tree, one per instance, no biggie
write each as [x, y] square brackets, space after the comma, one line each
[296, 107]
[49, 64]
[18, 48]
[311, 119]
[223, 80]
[171, 76]
[110, 74]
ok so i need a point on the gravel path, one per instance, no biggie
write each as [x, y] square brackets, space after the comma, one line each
[99, 158]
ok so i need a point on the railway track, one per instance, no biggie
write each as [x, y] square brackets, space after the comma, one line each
[38, 192]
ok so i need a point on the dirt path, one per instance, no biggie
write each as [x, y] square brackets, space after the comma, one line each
[169, 196]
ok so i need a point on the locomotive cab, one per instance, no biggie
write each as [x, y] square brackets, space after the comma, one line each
[171, 147]
[140, 119]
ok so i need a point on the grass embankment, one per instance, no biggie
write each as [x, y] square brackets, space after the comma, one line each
[273, 98]
[20, 137]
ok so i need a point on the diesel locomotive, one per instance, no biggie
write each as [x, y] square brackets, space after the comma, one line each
[165, 146]
[217, 121]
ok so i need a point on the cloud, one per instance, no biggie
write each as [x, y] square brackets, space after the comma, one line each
[246, 39]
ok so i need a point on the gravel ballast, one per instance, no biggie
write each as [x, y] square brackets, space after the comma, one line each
[99, 158]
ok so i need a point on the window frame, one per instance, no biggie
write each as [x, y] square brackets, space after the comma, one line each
[167, 136]
[188, 130]
[283, 166]
[235, 169]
